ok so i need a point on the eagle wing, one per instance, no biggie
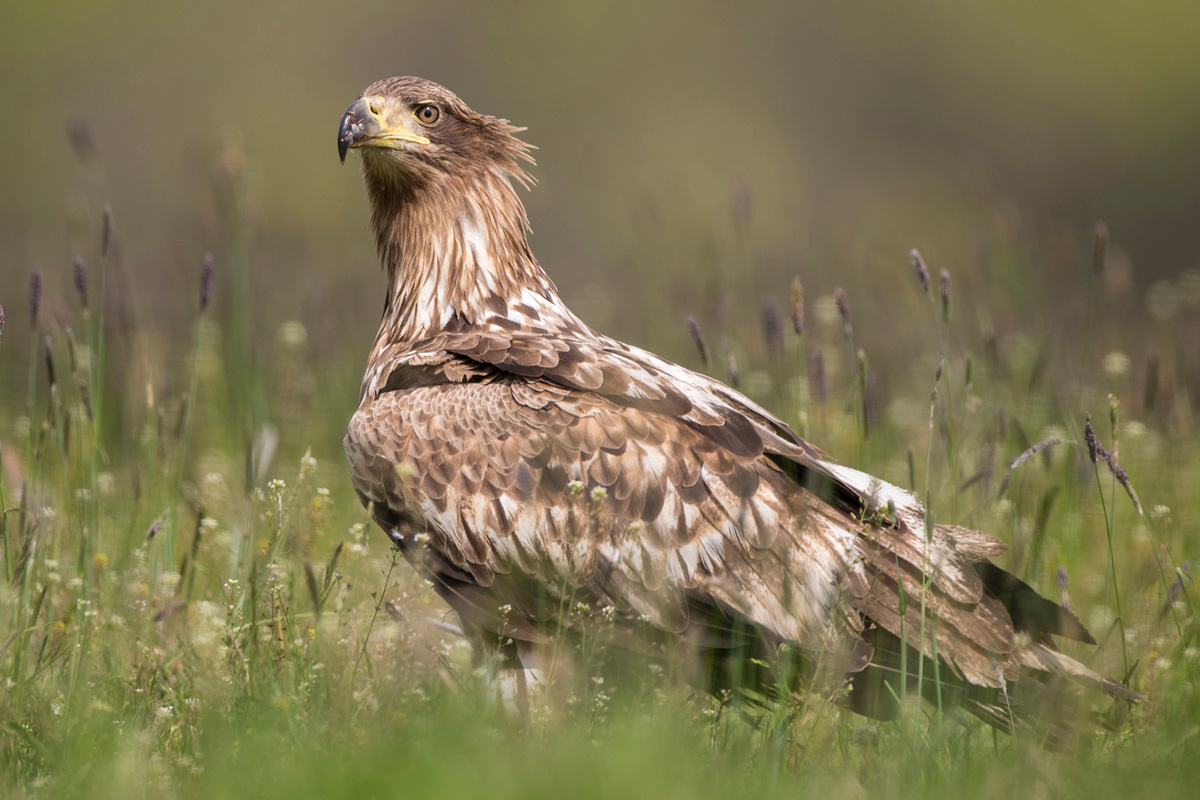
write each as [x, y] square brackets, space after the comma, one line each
[565, 462]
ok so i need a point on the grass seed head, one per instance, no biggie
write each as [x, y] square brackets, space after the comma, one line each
[741, 203]
[81, 282]
[843, 304]
[922, 270]
[206, 281]
[797, 299]
[772, 327]
[1096, 451]
[106, 226]
[944, 284]
[817, 377]
[735, 377]
[1099, 248]
[83, 141]
[51, 373]
[698, 339]
[35, 297]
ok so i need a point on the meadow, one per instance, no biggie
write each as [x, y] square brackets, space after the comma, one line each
[194, 604]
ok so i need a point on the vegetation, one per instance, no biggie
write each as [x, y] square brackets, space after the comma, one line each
[192, 601]
[193, 604]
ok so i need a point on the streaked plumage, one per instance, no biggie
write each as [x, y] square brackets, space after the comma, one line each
[519, 458]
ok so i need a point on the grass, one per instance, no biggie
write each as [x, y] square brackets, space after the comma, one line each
[194, 605]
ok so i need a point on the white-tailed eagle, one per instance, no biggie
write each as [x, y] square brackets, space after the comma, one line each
[527, 464]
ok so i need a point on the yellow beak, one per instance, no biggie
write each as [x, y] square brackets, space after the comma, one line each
[363, 125]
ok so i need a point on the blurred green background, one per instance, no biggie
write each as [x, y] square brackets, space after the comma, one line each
[678, 141]
[693, 159]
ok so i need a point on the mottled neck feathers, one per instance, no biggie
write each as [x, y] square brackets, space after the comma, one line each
[456, 253]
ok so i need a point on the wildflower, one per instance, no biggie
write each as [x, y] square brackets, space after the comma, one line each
[293, 333]
[1116, 364]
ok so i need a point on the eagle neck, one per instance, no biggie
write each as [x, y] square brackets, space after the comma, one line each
[456, 253]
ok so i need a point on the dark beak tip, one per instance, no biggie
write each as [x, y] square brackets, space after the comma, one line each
[345, 134]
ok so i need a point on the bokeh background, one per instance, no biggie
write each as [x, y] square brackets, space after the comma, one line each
[694, 157]
[852, 132]
[181, 488]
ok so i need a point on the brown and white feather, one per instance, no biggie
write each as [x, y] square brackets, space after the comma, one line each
[534, 451]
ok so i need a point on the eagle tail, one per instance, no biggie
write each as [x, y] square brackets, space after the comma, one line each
[1045, 702]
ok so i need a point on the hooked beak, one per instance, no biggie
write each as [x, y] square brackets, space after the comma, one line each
[363, 125]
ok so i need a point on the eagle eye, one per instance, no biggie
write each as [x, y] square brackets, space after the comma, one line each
[427, 114]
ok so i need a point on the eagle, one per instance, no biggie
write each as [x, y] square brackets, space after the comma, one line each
[546, 478]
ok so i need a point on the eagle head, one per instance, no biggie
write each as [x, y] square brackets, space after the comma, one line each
[413, 131]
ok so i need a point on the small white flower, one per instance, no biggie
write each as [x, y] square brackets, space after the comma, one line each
[1117, 364]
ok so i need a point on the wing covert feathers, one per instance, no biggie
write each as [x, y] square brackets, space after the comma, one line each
[548, 465]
